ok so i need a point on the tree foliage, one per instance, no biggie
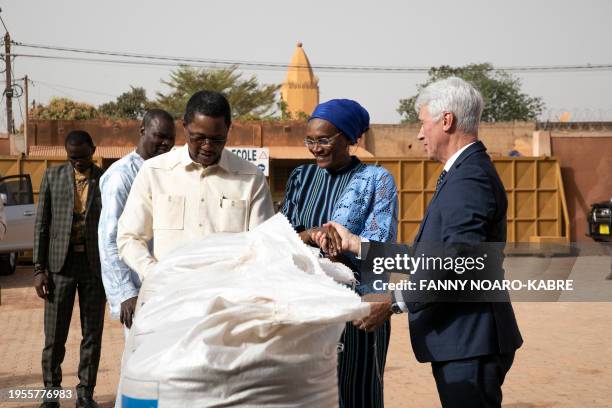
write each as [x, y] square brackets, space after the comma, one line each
[501, 92]
[284, 113]
[248, 99]
[129, 105]
[64, 109]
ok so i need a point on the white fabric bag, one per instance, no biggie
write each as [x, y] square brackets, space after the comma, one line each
[249, 319]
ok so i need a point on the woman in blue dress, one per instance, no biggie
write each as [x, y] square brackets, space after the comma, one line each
[363, 198]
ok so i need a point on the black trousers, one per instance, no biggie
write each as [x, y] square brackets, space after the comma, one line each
[473, 382]
[74, 277]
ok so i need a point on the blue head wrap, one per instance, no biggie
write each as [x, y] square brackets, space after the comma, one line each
[346, 115]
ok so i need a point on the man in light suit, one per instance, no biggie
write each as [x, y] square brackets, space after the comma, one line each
[66, 261]
[470, 345]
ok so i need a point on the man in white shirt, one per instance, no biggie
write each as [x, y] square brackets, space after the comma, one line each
[121, 284]
[193, 191]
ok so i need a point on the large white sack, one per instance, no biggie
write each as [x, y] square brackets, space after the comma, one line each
[249, 319]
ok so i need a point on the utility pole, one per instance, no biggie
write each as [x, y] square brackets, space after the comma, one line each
[8, 91]
[27, 114]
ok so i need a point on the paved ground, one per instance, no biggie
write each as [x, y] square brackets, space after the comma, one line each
[566, 360]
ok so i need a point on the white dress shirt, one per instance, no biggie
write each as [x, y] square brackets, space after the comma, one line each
[449, 163]
[175, 200]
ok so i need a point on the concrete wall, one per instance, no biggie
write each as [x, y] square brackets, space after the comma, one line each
[103, 132]
[381, 140]
[586, 169]
[126, 132]
[401, 140]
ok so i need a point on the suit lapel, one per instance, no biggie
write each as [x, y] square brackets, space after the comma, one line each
[478, 146]
[418, 236]
[69, 181]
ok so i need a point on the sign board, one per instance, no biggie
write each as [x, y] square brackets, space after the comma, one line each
[259, 156]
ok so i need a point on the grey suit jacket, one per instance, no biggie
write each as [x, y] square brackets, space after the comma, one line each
[54, 218]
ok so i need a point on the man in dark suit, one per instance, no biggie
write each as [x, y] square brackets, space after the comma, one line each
[470, 345]
[66, 261]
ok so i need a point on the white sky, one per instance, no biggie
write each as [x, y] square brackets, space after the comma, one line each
[384, 33]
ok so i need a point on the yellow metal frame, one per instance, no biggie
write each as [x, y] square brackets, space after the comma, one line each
[34, 166]
[537, 209]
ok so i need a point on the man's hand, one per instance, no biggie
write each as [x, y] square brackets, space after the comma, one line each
[127, 311]
[379, 313]
[41, 284]
[335, 239]
[307, 236]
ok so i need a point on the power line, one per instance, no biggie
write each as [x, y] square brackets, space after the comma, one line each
[168, 62]
[49, 84]
[112, 61]
[150, 56]
[523, 69]
[179, 60]
[56, 89]
[4, 25]
[151, 59]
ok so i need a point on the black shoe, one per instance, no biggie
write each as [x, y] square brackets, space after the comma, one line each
[86, 402]
[50, 404]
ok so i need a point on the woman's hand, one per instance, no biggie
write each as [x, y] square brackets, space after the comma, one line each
[308, 236]
[334, 239]
[327, 235]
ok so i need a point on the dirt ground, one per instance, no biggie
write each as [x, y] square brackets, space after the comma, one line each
[565, 362]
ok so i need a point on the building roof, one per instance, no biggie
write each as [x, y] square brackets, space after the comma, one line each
[106, 152]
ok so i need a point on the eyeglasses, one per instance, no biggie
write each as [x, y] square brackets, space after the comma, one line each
[210, 140]
[322, 141]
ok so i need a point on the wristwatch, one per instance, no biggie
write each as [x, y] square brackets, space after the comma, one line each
[395, 309]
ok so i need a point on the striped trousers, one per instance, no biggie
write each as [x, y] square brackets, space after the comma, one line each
[361, 366]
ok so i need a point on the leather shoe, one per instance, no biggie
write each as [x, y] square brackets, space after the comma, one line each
[86, 402]
[50, 404]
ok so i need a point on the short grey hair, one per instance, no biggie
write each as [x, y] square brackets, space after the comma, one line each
[453, 95]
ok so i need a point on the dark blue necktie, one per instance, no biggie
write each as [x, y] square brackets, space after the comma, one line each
[440, 179]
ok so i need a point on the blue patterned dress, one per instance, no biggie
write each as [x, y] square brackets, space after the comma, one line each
[363, 198]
